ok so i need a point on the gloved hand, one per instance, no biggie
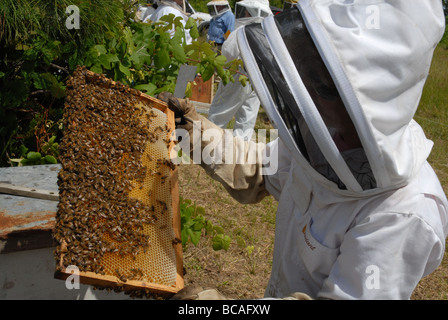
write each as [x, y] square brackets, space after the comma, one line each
[184, 111]
[195, 292]
[243, 181]
[297, 296]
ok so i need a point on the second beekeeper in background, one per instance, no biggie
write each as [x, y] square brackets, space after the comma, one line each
[234, 99]
[222, 22]
[175, 7]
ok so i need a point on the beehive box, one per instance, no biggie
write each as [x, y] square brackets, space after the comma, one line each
[118, 215]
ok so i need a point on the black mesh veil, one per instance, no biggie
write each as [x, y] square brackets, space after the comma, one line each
[320, 90]
[276, 84]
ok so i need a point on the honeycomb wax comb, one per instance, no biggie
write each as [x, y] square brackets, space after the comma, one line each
[118, 218]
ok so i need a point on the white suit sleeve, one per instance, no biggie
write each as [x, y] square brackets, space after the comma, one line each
[235, 163]
[384, 257]
[264, 170]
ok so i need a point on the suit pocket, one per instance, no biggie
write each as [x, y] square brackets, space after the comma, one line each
[316, 258]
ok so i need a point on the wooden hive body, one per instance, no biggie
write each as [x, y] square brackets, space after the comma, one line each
[118, 215]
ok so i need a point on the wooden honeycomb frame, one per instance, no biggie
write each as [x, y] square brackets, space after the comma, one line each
[166, 215]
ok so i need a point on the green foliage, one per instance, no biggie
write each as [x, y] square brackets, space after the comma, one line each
[39, 53]
[37, 56]
[48, 155]
[148, 56]
[194, 225]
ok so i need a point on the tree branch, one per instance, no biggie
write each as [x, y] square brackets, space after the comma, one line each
[38, 91]
[59, 67]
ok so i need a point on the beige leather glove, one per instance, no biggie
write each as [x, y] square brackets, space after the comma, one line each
[184, 112]
[195, 292]
[243, 181]
[297, 296]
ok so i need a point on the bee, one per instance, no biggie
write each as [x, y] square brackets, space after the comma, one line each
[159, 128]
[163, 204]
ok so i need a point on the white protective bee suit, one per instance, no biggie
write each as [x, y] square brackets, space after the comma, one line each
[166, 7]
[353, 223]
[361, 213]
[233, 99]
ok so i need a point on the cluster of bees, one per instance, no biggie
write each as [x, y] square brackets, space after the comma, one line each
[101, 156]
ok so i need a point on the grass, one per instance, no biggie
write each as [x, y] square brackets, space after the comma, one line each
[433, 113]
[433, 117]
[242, 272]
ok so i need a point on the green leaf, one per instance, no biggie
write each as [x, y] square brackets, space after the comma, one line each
[50, 159]
[184, 236]
[162, 59]
[33, 156]
[243, 80]
[190, 23]
[218, 229]
[194, 33]
[96, 69]
[194, 236]
[178, 36]
[124, 69]
[200, 211]
[178, 52]
[188, 90]
[207, 49]
[101, 49]
[221, 72]
[104, 61]
[186, 201]
[135, 58]
[169, 18]
[220, 242]
[57, 88]
[220, 60]
[38, 81]
[208, 72]
[148, 88]
[110, 35]
[178, 22]
[23, 150]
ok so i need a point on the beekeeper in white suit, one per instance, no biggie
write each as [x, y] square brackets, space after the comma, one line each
[234, 100]
[175, 7]
[361, 213]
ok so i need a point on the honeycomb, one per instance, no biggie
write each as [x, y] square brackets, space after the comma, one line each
[115, 215]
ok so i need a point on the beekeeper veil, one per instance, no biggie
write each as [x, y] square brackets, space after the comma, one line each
[252, 9]
[341, 81]
[218, 7]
